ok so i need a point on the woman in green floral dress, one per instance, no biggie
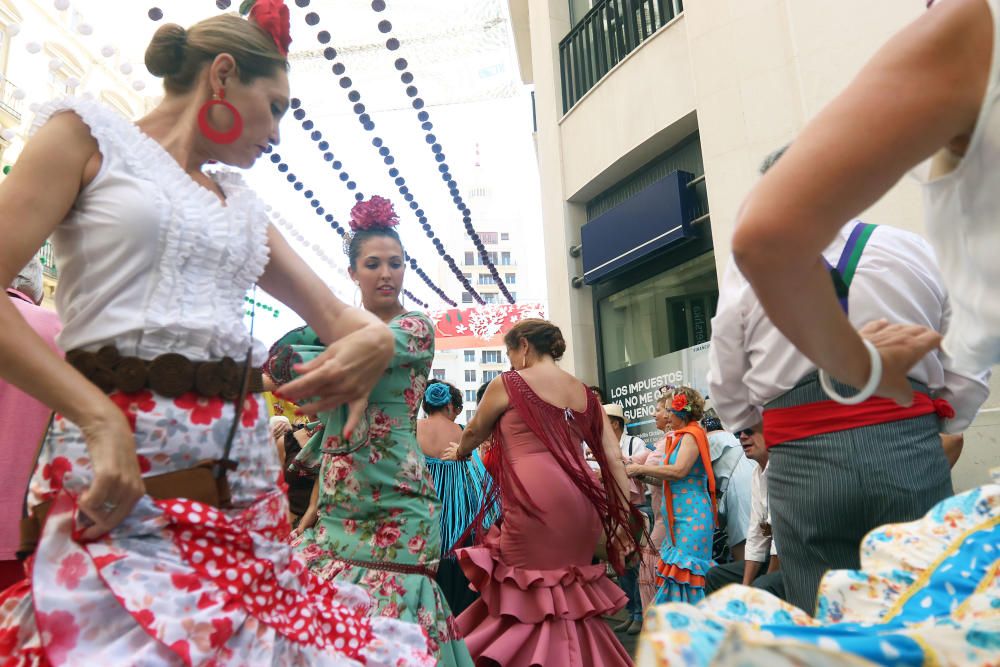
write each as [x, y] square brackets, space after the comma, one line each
[373, 519]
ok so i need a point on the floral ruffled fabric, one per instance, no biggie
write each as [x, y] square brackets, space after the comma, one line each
[928, 593]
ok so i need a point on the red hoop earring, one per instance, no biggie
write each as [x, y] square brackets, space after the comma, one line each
[214, 135]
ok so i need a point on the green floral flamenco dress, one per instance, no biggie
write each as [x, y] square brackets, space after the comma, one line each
[378, 512]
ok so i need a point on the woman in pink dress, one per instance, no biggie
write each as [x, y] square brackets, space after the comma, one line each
[541, 598]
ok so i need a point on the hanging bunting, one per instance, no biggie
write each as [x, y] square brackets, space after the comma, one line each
[406, 77]
[318, 209]
[299, 113]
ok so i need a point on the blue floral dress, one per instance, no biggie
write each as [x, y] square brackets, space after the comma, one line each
[928, 593]
[686, 553]
[378, 511]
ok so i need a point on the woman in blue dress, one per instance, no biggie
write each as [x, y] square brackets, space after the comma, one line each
[459, 484]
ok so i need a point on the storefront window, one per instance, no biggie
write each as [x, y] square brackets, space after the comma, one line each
[669, 312]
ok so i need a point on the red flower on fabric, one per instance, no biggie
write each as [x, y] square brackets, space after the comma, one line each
[144, 617]
[132, 404]
[60, 632]
[183, 649]
[272, 17]
[185, 582]
[205, 601]
[55, 471]
[144, 465]
[251, 409]
[223, 630]
[8, 640]
[680, 403]
[386, 535]
[350, 526]
[416, 544]
[374, 213]
[71, 571]
[203, 410]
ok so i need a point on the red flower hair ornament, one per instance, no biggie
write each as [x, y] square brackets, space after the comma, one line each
[680, 403]
[271, 16]
[374, 213]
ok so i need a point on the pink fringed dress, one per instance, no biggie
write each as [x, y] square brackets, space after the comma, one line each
[541, 599]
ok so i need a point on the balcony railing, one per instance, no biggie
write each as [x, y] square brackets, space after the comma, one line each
[8, 102]
[604, 36]
[48, 259]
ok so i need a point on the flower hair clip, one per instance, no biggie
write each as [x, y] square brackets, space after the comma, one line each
[680, 403]
[374, 213]
[271, 16]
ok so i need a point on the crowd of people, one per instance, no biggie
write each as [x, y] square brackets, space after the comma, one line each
[169, 518]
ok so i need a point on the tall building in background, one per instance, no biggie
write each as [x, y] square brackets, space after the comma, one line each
[484, 357]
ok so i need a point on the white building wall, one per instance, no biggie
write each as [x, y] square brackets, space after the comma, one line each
[747, 75]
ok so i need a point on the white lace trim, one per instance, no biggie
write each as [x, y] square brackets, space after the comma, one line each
[209, 255]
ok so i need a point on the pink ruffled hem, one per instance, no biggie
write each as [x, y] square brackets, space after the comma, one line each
[539, 617]
[532, 596]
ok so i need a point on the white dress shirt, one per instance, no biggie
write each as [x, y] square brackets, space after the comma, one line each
[758, 543]
[752, 363]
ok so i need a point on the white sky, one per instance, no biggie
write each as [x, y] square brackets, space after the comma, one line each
[460, 54]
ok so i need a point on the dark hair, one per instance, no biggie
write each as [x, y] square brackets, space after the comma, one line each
[178, 55]
[597, 391]
[456, 398]
[542, 335]
[482, 390]
[359, 237]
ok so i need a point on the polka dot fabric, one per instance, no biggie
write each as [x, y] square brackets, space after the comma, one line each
[223, 552]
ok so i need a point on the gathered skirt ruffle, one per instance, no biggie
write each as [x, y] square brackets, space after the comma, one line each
[539, 617]
[181, 583]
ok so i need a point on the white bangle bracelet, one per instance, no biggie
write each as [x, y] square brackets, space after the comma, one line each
[874, 379]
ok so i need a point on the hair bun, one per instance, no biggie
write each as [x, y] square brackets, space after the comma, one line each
[165, 53]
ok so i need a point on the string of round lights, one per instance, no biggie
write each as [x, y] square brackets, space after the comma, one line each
[300, 114]
[338, 69]
[317, 249]
[406, 77]
[318, 209]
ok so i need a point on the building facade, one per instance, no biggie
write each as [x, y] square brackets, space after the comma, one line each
[47, 53]
[470, 367]
[652, 117]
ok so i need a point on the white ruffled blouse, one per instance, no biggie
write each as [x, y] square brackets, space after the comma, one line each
[149, 260]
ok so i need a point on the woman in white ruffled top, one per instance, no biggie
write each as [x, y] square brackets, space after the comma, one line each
[156, 257]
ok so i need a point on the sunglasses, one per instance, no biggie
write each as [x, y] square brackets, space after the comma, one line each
[745, 433]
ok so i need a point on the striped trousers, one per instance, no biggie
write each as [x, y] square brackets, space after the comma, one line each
[827, 491]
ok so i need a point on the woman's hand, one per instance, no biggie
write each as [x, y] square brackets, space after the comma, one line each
[901, 346]
[451, 452]
[117, 483]
[346, 372]
[280, 428]
[634, 469]
[307, 521]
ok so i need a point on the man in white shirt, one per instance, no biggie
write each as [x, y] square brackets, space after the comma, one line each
[760, 547]
[842, 470]
[630, 446]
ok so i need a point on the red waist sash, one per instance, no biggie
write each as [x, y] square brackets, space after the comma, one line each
[802, 421]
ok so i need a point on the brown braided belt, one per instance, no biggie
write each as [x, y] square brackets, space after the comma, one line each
[386, 566]
[169, 375]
